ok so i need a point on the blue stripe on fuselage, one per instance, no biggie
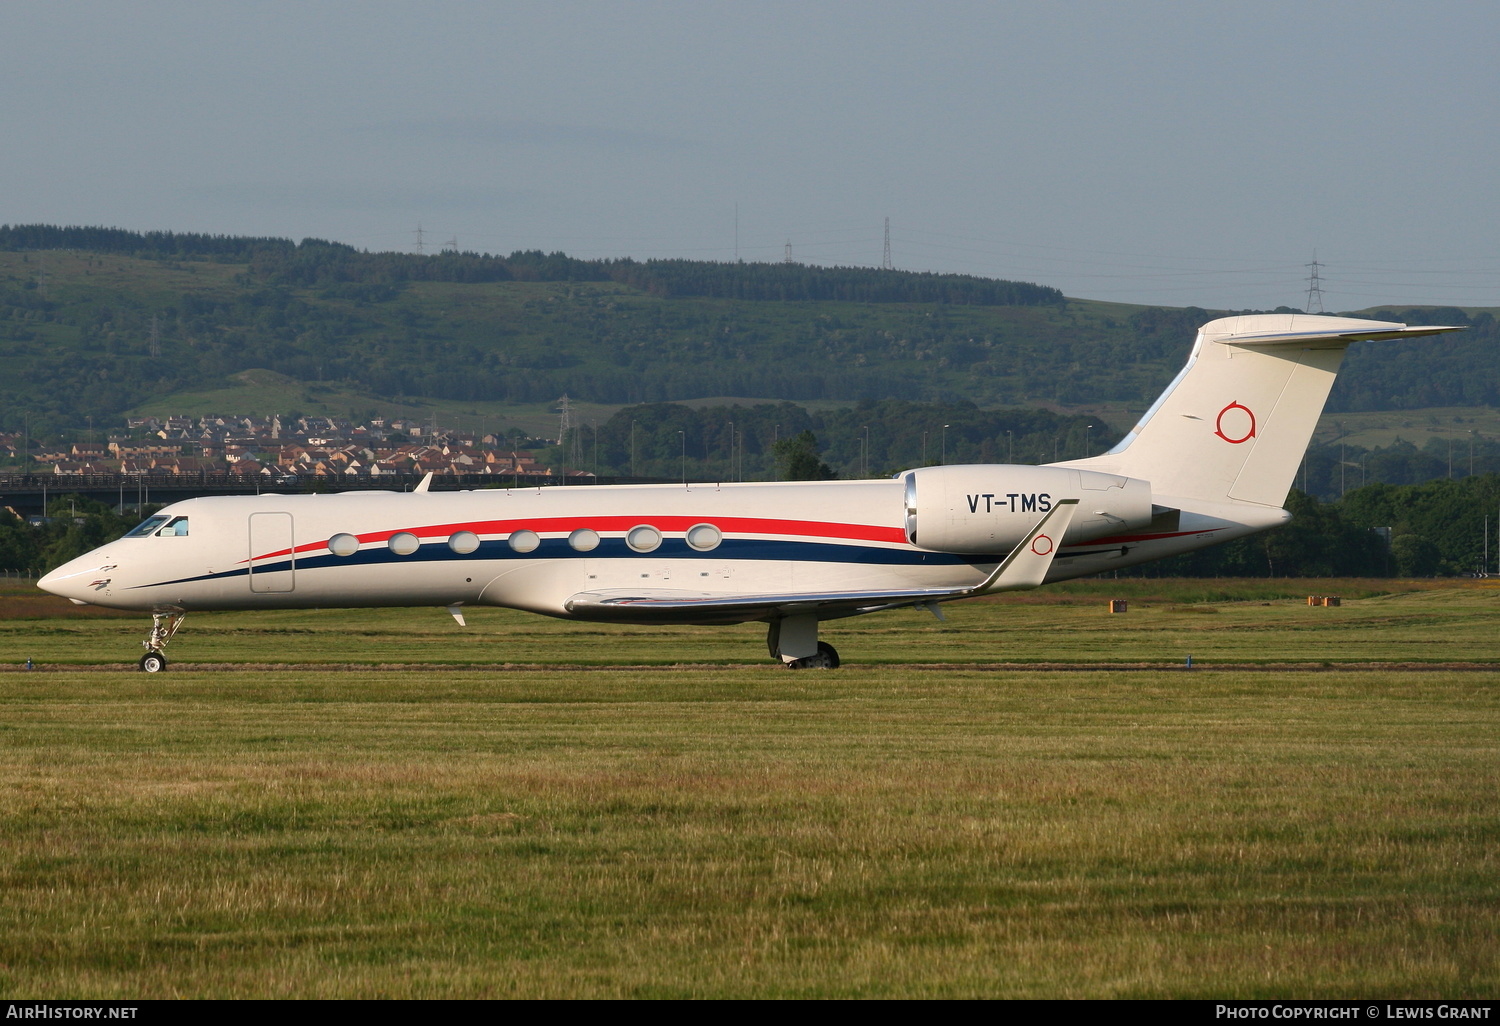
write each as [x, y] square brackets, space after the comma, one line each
[499, 550]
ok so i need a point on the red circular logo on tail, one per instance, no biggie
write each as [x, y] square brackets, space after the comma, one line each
[1236, 424]
[1041, 545]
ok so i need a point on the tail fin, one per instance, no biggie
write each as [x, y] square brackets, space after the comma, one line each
[1234, 424]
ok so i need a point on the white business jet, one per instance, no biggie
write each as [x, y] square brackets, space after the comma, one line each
[1211, 461]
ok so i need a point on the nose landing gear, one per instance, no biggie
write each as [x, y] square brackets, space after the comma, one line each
[163, 626]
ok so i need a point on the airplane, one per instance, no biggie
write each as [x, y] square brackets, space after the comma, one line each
[1210, 461]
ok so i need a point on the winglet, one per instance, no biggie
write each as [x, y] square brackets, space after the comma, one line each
[1028, 562]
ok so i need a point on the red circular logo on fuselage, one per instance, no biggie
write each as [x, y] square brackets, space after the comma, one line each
[1236, 424]
[1041, 545]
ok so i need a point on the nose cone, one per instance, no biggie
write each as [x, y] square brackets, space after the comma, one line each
[84, 579]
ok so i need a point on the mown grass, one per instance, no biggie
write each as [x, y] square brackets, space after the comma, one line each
[1216, 622]
[748, 832]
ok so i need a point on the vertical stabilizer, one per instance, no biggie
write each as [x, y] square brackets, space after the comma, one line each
[1234, 424]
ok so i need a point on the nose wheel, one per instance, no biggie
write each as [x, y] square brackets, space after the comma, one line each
[163, 626]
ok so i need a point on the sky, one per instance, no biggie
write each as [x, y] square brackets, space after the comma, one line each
[1179, 154]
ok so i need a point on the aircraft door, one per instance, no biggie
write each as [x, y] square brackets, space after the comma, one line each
[272, 557]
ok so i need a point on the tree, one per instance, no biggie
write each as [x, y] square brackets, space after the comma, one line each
[1415, 556]
[18, 548]
[797, 459]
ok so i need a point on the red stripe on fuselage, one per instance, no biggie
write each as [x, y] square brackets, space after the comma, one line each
[620, 524]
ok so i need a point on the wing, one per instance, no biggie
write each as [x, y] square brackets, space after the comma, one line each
[1025, 567]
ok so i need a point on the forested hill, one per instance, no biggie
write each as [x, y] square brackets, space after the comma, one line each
[94, 322]
[315, 262]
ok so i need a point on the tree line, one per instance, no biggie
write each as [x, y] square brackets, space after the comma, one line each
[1439, 528]
[869, 439]
[318, 262]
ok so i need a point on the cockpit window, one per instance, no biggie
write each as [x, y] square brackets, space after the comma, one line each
[147, 527]
[176, 528]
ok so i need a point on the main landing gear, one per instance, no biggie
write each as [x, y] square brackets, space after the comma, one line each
[826, 658]
[163, 626]
[794, 640]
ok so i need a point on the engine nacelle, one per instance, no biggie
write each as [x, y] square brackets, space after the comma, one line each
[988, 508]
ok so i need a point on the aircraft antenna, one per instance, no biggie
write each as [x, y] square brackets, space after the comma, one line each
[1314, 286]
[885, 261]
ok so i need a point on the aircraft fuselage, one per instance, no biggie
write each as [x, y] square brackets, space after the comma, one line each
[534, 548]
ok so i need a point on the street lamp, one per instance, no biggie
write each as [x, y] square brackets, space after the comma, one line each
[1010, 445]
[865, 452]
[1086, 430]
[683, 436]
[944, 461]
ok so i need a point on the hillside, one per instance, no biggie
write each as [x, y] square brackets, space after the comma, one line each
[160, 321]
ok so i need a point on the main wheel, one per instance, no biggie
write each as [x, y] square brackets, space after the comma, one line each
[827, 658]
[153, 662]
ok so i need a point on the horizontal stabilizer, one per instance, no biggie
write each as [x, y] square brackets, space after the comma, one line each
[1377, 331]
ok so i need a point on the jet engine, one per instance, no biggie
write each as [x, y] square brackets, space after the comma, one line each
[987, 509]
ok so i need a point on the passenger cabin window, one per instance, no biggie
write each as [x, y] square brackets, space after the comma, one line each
[704, 537]
[644, 538]
[146, 527]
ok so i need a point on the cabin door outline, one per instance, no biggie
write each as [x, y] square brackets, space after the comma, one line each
[272, 544]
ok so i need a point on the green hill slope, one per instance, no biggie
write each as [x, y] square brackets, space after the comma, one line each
[149, 321]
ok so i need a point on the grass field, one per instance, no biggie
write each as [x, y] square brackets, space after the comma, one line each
[1383, 427]
[646, 829]
[1215, 621]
